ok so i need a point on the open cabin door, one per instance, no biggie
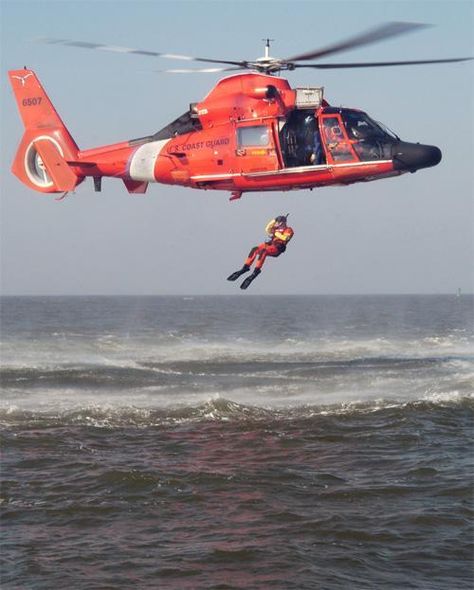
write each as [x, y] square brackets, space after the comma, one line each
[299, 134]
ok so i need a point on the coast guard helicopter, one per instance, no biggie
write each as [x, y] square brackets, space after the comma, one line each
[252, 132]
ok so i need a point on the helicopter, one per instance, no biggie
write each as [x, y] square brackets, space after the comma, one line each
[252, 132]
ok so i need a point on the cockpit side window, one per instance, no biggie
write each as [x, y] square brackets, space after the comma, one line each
[336, 141]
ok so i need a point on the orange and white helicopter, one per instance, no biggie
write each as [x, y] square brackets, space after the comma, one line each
[252, 132]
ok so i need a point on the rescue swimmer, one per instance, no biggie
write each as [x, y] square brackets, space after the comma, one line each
[279, 234]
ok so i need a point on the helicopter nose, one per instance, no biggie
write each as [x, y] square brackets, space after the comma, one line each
[413, 156]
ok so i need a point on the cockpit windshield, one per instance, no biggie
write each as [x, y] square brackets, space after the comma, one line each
[371, 140]
[359, 125]
[388, 131]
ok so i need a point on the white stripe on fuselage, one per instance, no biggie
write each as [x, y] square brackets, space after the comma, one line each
[142, 163]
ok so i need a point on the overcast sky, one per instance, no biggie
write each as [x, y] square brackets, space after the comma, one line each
[412, 234]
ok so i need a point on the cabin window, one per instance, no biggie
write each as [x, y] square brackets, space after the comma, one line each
[254, 135]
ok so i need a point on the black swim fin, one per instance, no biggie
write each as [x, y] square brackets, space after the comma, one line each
[250, 278]
[235, 275]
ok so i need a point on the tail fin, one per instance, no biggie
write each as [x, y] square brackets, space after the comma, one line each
[41, 161]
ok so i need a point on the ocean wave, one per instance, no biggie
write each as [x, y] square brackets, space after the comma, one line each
[126, 350]
[292, 378]
[157, 386]
[219, 409]
[249, 363]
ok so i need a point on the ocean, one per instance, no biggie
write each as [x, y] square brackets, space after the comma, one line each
[303, 442]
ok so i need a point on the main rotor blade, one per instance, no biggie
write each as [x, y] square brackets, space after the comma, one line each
[376, 64]
[385, 31]
[130, 50]
[198, 70]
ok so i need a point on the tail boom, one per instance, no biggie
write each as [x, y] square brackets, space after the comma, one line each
[49, 161]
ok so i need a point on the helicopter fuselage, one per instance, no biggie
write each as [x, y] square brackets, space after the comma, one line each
[252, 132]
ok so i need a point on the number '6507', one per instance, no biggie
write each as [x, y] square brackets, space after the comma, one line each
[31, 102]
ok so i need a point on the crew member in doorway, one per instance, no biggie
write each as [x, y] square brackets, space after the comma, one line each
[313, 141]
[316, 157]
[279, 234]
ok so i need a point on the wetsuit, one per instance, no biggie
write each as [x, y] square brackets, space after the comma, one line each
[275, 246]
[279, 235]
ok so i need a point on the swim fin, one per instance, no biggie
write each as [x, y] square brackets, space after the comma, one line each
[250, 278]
[235, 275]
